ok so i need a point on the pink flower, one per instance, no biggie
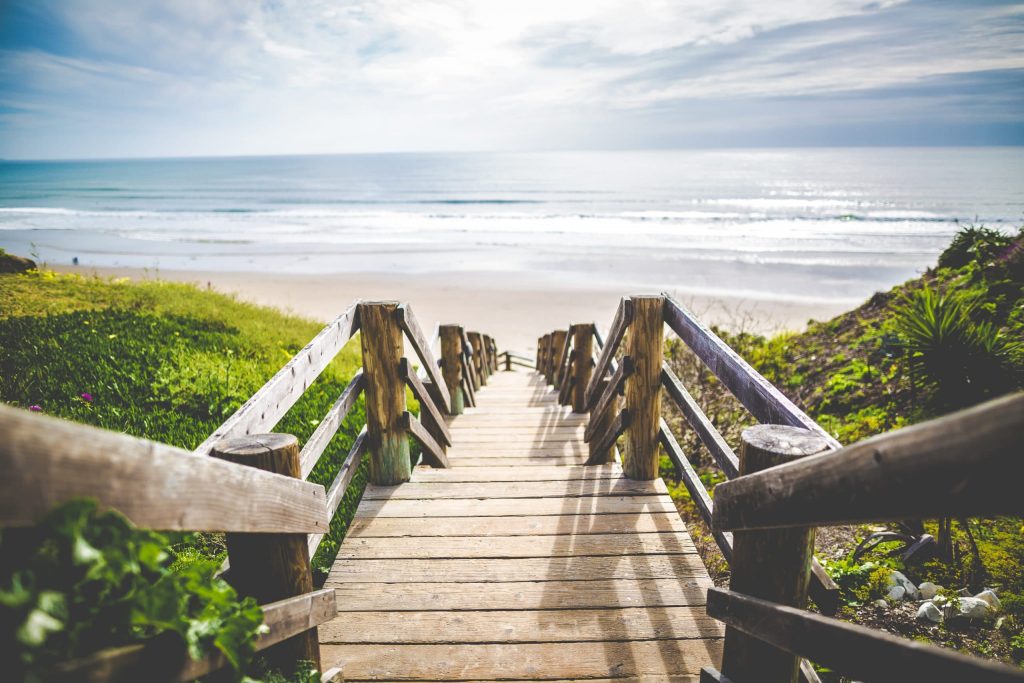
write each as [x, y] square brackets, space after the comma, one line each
[36, 409]
[87, 397]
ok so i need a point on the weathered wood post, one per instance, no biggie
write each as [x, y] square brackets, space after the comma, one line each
[604, 421]
[771, 564]
[492, 365]
[381, 340]
[643, 388]
[583, 351]
[451, 367]
[545, 346]
[271, 567]
[508, 362]
[479, 360]
[540, 345]
[558, 339]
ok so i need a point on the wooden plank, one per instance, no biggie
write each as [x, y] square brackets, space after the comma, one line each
[340, 484]
[625, 523]
[854, 651]
[469, 360]
[45, 461]
[758, 395]
[527, 489]
[164, 660]
[425, 400]
[938, 468]
[523, 661]
[328, 427]
[407, 321]
[516, 461]
[623, 317]
[603, 443]
[424, 475]
[612, 390]
[553, 595]
[267, 406]
[520, 569]
[492, 432]
[705, 430]
[642, 391]
[562, 545]
[433, 454]
[522, 626]
[496, 450]
[513, 507]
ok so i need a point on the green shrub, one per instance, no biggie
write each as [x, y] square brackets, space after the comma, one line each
[976, 244]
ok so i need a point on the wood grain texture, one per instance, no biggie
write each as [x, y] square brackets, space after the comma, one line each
[513, 507]
[622, 523]
[414, 333]
[583, 347]
[425, 475]
[45, 461]
[642, 396]
[529, 489]
[451, 365]
[623, 317]
[428, 410]
[329, 425]
[701, 424]
[267, 406]
[432, 452]
[606, 407]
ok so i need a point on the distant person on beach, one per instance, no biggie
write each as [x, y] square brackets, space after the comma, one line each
[74, 261]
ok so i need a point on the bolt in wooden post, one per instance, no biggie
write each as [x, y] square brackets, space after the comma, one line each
[479, 361]
[271, 567]
[583, 347]
[771, 564]
[604, 423]
[451, 368]
[558, 339]
[381, 340]
[643, 388]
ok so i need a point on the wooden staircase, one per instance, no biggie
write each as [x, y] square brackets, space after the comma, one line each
[518, 563]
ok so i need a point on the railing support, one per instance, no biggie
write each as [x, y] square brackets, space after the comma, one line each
[451, 367]
[771, 564]
[558, 340]
[385, 393]
[479, 359]
[271, 567]
[583, 365]
[643, 388]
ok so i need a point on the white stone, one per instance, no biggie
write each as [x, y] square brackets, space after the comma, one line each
[928, 590]
[940, 600]
[896, 593]
[990, 597]
[881, 604]
[930, 612]
[973, 608]
[909, 589]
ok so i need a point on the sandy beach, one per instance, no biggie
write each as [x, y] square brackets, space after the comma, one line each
[514, 310]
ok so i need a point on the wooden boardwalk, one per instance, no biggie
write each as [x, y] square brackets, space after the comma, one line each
[518, 563]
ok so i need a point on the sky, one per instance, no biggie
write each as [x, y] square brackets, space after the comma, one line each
[147, 78]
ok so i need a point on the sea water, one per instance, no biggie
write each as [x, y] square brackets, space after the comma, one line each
[801, 224]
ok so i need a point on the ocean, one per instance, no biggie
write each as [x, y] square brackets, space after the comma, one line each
[830, 225]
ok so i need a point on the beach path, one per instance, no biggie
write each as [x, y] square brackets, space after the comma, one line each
[519, 563]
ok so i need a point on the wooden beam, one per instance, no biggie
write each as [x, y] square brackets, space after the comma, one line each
[705, 430]
[757, 394]
[608, 396]
[606, 441]
[414, 333]
[340, 484]
[270, 567]
[267, 406]
[433, 454]
[451, 366]
[940, 468]
[328, 427]
[583, 348]
[642, 395]
[469, 361]
[45, 461]
[853, 651]
[563, 346]
[385, 392]
[479, 362]
[620, 323]
[440, 429]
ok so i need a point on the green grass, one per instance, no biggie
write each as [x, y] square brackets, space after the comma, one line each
[164, 361]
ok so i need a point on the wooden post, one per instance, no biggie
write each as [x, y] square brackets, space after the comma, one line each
[381, 340]
[545, 347]
[271, 567]
[508, 362]
[773, 564]
[558, 339]
[643, 388]
[540, 345]
[583, 348]
[604, 422]
[451, 367]
[479, 360]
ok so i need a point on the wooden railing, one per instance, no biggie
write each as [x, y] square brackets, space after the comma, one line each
[254, 487]
[624, 402]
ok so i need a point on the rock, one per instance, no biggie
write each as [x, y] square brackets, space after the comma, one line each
[990, 597]
[940, 600]
[909, 589]
[928, 590]
[880, 604]
[896, 593]
[9, 263]
[928, 611]
[973, 608]
[964, 593]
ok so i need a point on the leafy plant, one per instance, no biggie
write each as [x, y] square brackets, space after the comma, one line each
[84, 580]
[976, 244]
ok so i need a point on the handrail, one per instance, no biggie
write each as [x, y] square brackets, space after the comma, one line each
[433, 454]
[267, 406]
[45, 461]
[621, 321]
[317, 442]
[940, 468]
[407, 321]
[613, 389]
[426, 401]
[701, 424]
[340, 484]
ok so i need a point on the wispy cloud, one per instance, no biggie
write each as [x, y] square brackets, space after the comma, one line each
[189, 76]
